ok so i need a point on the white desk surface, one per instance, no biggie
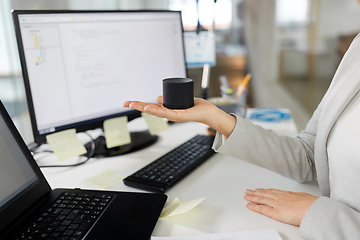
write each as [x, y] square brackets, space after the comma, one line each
[222, 180]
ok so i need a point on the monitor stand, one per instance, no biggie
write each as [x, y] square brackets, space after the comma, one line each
[139, 140]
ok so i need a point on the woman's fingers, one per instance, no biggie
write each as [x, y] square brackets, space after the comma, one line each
[261, 192]
[158, 110]
[257, 198]
[262, 209]
[284, 206]
[138, 105]
[160, 99]
[126, 104]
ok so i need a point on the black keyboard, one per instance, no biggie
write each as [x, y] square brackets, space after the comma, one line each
[69, 218]
[166, 171]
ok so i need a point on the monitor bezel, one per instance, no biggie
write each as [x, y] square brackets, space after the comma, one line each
[81, 126]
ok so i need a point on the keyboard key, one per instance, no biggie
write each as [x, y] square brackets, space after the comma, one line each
[49, 229]
[85, 195]
[60, 217]
[55, 235]
[86, 224]
[55, 223]
[80, 218]
[78, 233]
[43, 236]
[65, 211]
[48, 219]
[42, 225]
[35, 231]
[60, 228]
[73, 226]
[55, 212]
[66, 223]
[68, 232]
[73, 214]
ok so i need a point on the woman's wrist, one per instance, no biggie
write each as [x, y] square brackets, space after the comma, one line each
[221, 121]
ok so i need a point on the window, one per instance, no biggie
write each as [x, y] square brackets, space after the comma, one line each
[9, 61]
[292, 13]
[203, 10]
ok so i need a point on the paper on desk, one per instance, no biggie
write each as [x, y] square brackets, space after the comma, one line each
[105, 180]
[179, 207]
[263, 234]
[116, 132]
[65, 144]
[155, 124]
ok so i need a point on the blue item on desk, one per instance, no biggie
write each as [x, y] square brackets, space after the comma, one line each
[269, 115]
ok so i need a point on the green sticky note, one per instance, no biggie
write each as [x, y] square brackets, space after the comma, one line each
[105, 180]
[116, 132]
[65, 144]
[155, 124]
[179, 207]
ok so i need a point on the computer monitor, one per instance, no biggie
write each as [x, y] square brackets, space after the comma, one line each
[80, 66]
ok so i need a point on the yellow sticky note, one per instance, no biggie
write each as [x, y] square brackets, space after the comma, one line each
[105, 180]
[116, 132]
[179, 207]
[65, 144]
[155, 124]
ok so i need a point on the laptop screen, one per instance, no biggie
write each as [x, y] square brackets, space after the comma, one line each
[16, 174]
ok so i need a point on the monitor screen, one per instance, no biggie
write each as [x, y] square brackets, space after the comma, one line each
[80, 66]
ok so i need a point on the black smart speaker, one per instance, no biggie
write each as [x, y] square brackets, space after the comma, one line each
[178, 93]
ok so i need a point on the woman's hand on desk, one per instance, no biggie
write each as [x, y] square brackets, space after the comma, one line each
[284, 206]
[202, 112]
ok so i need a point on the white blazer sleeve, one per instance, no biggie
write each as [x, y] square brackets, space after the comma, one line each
[290, 157]
[328, 219]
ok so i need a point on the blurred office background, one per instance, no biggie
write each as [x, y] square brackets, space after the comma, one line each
[291, 47]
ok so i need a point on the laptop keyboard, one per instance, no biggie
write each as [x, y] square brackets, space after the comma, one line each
[69, 218]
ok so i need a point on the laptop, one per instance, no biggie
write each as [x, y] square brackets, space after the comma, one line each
[30, 209]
